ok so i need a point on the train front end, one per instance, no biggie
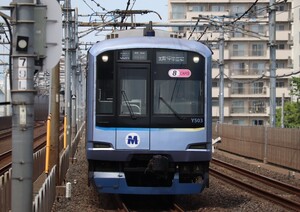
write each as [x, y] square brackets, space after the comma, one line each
[149, 116]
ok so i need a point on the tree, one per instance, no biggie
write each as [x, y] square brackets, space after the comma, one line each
[295, 85]
[291, 115]
[291, 109]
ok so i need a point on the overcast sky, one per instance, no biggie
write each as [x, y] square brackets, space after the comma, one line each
[86, 7]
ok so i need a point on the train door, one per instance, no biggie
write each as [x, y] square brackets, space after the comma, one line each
[133, 106]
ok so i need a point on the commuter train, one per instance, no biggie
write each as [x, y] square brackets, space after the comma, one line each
[148, 114]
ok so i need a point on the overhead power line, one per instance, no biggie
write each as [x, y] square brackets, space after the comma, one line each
[245, 12]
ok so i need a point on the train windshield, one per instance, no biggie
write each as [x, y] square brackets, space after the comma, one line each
[150, 88]
[178, 97]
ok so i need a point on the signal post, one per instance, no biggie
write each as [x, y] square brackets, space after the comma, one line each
[22, 94]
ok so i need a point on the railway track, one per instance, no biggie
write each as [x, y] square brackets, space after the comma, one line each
[6, 134]
[280, 193]
[122, 206]
[39, 143]
[6, 157]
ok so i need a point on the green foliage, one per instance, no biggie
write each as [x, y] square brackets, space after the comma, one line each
[291, 115]
[295, 84]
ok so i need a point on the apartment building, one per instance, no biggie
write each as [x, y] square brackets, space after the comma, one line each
[245, 28]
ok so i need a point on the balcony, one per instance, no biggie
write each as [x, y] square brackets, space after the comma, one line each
[252, 54]
[246, 72]
[246, 90]
[283, 16]
[226, 54]
[215, 111]
[190, 15]
[215, 92]
[216, 72]
[283, 36]
[283, 71]
[281, 91]
[283, 54]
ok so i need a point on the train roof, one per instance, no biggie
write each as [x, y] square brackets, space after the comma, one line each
[149, 42]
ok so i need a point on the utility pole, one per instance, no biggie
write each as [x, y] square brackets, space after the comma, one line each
[282, 111]
[68, 16]
[77, 73]
[74, 74]
[54, 110]
[220, 24]
[22, 93]
[221, 67]
[272, 39]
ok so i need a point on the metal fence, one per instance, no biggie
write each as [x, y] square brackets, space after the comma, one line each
[39, 163]
[279, 146]
[45, 198]
[5, 180]
[5, 191]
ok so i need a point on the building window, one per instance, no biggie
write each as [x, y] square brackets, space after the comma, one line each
[215, 64]
[238, 122]
[215, 84]
[257, 88]
[237, 10]
[238, 49]
[237, 106]
[260, 9]
[280, 27]
[280, 46]
[257, 29]
[257, 106]
[279, 84]
[217, 8]
[280, 64]
[238, 32]
[196, 7]
[258, 122]
[238, 68]
[279, 101]
[237, 88]
[215, 103]
[281, 7]
[257, 49]
[178, 11]
[257, 68]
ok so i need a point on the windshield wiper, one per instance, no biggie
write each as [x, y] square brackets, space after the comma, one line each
[132, 115]
[169, 106]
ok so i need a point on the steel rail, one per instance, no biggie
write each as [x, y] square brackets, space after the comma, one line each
[287, 203]
[263, 179]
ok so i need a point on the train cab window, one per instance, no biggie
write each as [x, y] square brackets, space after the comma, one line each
[132, 89]
[178, 84]
[104, 84]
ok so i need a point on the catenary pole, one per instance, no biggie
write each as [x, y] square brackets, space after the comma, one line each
[272, 45]
[68, 16]
[22, 94]
[221, 68]
[282, 111]
[74, 75]
[54, 139]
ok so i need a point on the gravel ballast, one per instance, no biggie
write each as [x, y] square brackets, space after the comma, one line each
[220, 196]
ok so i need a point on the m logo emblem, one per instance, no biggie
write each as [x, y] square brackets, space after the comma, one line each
[132, 140]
